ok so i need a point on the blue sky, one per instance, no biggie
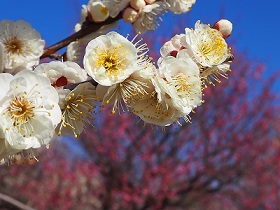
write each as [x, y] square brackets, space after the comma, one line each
[256, 29]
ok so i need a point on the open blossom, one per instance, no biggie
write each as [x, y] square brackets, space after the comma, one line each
[98, 12]
[77, 107]
[23, 45]
[95, 11]
[116, 6]
[29, 110]
[6, 151]
[206, 44]
[155, 112]
[76, 50]
[144, 101]
[180, 6]
[171, 92]
[172, 47]
[131, 90]
[145, 15]
[149, 16]
[111, 58]
[178, 84]
[83, 16]
[208, 48]
[62, 73]
[10, 155]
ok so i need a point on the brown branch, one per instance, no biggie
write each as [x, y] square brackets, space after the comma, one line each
[87, 28]
[73, 86]
[14, 202]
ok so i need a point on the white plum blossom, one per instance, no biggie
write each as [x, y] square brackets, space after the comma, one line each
[77, 107]
[98, 12]
[10, 155]
[206, 44]
[116, 6]
[155, 112]
[84, 14]
[149, 16]
[131, 90]
[76, 50]
[6, 150]
[111, 58]
[180, 6]
[178, 84]
[29, 110]
[173, 46]
[170, 93]
[23, 45]
[208, 48]
[214, 73]
[146, 14]
[62, 73]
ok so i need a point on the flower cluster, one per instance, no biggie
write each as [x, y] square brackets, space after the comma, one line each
[164, 94]
[41, 100]
[142, 14]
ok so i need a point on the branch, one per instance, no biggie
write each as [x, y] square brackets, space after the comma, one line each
[88, 27]
[15, 202]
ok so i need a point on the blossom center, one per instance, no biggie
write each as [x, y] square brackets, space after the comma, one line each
[179, 81]
[174, 53]
[20, 110]
[104, 10]
[112, 60]
[77, 110]
[14, 46]
[61, 81]
[213, 47]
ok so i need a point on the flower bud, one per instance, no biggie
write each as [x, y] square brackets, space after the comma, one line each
[130, 15]
[137, 4]
[224, 26]
[98, 11]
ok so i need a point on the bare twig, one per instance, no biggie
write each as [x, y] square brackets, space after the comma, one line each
[87, 28]
[15, 202]
[72, 86]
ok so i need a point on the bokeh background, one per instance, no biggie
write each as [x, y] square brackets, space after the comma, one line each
[228, 158]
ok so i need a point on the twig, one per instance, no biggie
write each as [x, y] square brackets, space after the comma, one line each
[72, 86]
[87, 28]
[15, 202]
